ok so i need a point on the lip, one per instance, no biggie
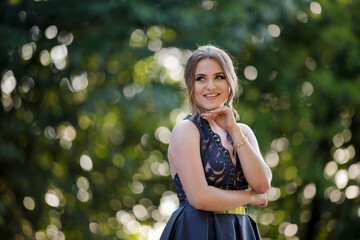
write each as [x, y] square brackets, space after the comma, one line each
[211, 96]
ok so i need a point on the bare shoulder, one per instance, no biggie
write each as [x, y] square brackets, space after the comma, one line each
[184, 130]
[246, 129]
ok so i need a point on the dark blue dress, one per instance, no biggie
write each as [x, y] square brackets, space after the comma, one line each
[189, 223]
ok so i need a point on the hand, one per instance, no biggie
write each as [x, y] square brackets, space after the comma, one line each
[223, 116]
[258, 199]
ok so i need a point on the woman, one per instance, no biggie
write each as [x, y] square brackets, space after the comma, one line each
[213, 159]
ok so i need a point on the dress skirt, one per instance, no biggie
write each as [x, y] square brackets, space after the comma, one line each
[189, 223]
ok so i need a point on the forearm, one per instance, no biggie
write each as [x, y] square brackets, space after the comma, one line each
[256, 172]
[216, 199]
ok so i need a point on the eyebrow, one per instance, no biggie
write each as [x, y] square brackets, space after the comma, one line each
[202, 74]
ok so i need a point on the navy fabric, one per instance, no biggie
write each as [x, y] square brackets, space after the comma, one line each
[190, 223]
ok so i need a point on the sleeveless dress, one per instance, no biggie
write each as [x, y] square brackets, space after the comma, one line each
[189, 223]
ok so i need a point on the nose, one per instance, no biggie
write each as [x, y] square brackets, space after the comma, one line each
[211, 84]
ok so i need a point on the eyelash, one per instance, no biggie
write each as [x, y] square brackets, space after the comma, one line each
[219, 77]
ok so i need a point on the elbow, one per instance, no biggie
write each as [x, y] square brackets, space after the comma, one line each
[262, 188]
[197, 202]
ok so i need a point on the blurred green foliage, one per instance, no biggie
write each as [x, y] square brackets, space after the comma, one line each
[90, 91]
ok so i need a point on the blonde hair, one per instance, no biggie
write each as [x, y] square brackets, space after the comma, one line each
[226, 64]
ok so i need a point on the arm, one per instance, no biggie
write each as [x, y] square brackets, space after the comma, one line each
[184, 157]
[256, 172]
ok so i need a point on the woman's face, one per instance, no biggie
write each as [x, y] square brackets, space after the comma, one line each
[211, 89]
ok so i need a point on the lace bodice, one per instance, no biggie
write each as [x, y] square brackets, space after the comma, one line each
[220, 171]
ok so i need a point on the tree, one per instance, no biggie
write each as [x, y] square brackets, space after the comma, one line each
[91, 91]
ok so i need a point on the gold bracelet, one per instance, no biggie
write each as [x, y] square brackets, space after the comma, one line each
[242, 142]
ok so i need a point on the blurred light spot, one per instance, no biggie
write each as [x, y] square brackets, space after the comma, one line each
[45, 58]
[83, 195]
[155, 31]
[330, 168]
[346, 134]
[310, 63]
[65, 143]
[118, 160]
[280, 144]
[50, 132]
[35, 33]
[274, 30]
[207, 4]
[171, 59]
[21, 14]
[130, 90]
[350, 151]
[163, 134]
[28, 50]
[177, 115]
[282, 227]
[168, 203]
[95, 228]
[69, 133]
[250, 73]
[136, 187]
[315, 7]
[273, 194]
[79, 82]
[257, 39]
[305, 216]
[310, 191]
[138, 38]
[51, 32]
[354, 171]
[86, 163]
[267, 218]
[342, 156]
[145, 231]
[290, 173]
[29, 203]
[8, 82]
[307, 89]
[301, 16]
[290, 230]
[156, 215]
[53, 232]
[338, 140]
[341, 179]
[27, 84]
[335, 195]
[145, 139]
[124, 217]
[58, 56]
[155, 44]
[65, 38]
[52, 200]
[298, 138]
[352, 192]
[160, 168]
[82, 183]
[115, 204]
[171, 63]
[40, 236]
[305, 125]
[140, 212]
[129, 201]
[272, 159]
[290, 188]
[133, 227]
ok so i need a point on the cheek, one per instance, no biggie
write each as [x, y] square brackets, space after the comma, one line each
[197, 89]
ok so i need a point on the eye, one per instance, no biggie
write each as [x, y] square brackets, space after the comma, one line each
[200, 78]
[220, 77]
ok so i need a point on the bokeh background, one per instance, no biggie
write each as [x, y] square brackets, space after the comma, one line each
[90, 91]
